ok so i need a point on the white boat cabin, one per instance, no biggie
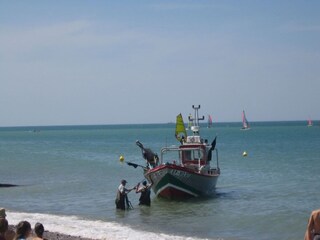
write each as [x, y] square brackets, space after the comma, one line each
[192, 154]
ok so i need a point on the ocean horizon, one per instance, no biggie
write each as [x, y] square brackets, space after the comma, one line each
[102, 125]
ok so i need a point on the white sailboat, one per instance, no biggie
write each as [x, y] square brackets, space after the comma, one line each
[310, 123]
[209, 121]
[245, 123]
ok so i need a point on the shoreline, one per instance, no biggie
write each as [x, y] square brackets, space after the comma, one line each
[54, 235]
[64, 227]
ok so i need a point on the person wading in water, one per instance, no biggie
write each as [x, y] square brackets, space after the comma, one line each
[122, 197]
[145, 193]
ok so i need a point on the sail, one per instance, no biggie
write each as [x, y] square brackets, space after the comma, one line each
[181, 132]
[209, 121]
[309, 122]
[245, 123]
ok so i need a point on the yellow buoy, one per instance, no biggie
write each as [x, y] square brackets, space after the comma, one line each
[244, 154]
[121, 158]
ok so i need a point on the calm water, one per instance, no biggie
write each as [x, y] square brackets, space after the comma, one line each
[69, 175]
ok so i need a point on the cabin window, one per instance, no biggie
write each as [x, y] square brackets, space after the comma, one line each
[191, 155]
[187, 155]
[197, 154]
[171, 157]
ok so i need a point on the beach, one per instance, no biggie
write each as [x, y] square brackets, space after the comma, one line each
[47, 234]
[57, 236]
[60, 236]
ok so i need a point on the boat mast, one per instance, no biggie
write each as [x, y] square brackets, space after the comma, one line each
[195, 120]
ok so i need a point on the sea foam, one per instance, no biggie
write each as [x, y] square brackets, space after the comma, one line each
[75, 226]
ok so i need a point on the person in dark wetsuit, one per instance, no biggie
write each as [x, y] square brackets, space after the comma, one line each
[145, 193]
[122, 195]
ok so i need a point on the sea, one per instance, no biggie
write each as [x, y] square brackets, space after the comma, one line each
[67, 177]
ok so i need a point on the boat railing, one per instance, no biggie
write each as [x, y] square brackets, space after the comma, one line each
[196, 163]
[217, 157]
[199, 161]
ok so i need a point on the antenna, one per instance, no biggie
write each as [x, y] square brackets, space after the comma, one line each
[195, 120]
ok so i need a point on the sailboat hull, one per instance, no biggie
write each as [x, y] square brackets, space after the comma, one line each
[177, 182]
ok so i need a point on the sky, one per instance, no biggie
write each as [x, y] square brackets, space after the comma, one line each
[120, 62]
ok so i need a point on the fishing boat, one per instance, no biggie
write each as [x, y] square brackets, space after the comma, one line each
[245, 123]
[185, 170]
[310, 124]
[209, 121]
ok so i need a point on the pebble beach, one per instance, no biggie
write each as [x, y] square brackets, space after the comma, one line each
[56, 236]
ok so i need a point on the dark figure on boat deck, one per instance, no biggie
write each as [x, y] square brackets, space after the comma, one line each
[151, 157]
[313, 228]
[122, 198]
[145, 193]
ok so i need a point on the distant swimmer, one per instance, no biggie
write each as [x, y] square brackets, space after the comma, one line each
[313, 228]
[145, 193]
[122, 198]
